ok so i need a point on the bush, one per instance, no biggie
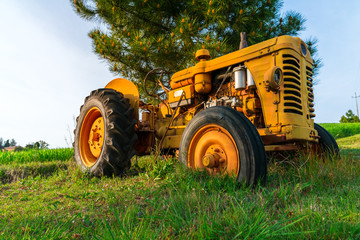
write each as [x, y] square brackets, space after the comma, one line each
[349, 117]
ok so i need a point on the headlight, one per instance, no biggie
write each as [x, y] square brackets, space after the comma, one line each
[273, 78]
[277, 76]
[303, 49]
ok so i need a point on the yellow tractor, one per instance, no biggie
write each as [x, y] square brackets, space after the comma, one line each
[220, 115]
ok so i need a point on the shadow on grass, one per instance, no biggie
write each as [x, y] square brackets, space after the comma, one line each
[16, 172]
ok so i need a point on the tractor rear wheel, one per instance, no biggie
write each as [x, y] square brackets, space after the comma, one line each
[221, 140]
[105, 133]
[327, 144]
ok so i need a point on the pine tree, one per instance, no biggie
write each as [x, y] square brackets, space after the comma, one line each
[137, 36]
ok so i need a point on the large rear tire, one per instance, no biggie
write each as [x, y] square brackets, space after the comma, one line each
[105, 133]
[221, 140]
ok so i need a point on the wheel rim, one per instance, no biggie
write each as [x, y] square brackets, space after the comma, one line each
[213, 148]
[91, 137]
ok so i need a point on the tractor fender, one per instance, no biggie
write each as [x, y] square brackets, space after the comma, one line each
[129, 90]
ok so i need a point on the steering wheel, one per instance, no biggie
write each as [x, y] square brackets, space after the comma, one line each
[159, 82]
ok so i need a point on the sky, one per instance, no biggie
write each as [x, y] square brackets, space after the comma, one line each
[47, 66]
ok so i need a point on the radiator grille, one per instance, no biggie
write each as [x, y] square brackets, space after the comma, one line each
[292, 85]
[309, 84]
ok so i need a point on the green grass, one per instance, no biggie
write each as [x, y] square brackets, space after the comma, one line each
[350, 145]
[341, 130]
[304, 198]
[29, 156]
[352, 142]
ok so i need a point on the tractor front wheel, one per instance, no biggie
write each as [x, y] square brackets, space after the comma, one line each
[105, 133]
[221, 140]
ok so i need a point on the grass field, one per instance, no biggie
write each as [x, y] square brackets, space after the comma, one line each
[341, 130]
[303, 198]
[30, 156]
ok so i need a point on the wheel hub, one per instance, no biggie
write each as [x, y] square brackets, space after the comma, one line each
[213, 149]
[96, 136]
[211, 160]
[91, 137]
[215, 158]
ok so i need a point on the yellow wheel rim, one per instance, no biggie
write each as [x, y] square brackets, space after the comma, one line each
[213, 148]
[91, 137]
